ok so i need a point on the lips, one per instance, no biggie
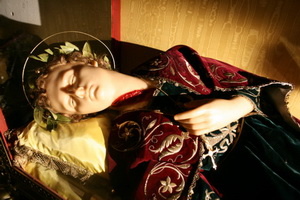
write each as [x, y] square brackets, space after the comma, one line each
[91, 93]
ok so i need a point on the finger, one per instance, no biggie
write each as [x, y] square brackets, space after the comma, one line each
[198, 132]
[189, 114]
[199, 126]
[194, 120]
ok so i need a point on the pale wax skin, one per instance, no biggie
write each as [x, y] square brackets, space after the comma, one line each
[77, 88]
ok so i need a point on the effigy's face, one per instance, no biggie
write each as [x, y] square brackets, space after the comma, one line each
[78, 89]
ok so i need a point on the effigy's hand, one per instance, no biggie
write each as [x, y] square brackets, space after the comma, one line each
[212, 114]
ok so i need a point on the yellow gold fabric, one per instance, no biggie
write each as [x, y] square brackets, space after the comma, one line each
[54, 180]
[82, 143]
[61, 184]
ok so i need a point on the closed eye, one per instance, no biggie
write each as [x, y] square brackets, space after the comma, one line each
[73, 102]
[72, 79]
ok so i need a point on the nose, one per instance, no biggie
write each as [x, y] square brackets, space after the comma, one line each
[78, 91]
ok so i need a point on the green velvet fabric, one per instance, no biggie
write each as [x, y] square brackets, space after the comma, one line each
[263, 164]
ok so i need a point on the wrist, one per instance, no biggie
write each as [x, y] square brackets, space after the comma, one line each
[243, 105]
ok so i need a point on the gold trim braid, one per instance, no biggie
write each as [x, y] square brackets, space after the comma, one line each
[24, 154]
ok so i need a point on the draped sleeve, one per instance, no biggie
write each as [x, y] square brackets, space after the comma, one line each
[182, 65]
[156, 158]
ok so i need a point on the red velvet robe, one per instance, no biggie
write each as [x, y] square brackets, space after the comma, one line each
[153, 157]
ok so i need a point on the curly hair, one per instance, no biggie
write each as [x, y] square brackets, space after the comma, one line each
[75, 57]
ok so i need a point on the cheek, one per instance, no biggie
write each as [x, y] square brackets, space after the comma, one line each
[87, 107]
[58, 104]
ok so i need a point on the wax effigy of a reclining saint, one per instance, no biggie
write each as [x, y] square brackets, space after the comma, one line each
[183, 126]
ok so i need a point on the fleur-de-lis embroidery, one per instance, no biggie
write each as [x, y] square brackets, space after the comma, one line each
[167, 189]
[167, 185]
[209, 194]
[129, 136]
[156, 62]
[126, 134]
[211, 154]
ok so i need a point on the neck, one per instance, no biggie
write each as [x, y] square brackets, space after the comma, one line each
[124, 83]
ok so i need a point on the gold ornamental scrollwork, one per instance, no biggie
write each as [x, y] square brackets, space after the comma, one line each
[170, 187]
[130, 136]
